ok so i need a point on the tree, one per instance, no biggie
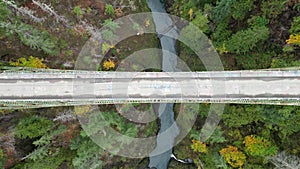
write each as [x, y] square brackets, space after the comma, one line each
[271, 9]
[259, 147]
[238, 115]
[282, 119]
[109, 9]
[222, 12]
[241, 8]
[216, 137]
[35, 39]
[295, 28]
[32, 127]
[87, 153]
[108, 23]
[243, 42]
[1, 159]
[201, 21]
[108, 35]
[77, 10]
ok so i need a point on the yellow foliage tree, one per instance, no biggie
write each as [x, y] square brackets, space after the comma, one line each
[294, 40]
[106, 47]
[147, 23]
[32, 62]
[198, 146]
[82, 110]
[109, 64]
[233, 156]
[191, 12]
[119, 12]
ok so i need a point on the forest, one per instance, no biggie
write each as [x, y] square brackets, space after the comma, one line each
[247, 34]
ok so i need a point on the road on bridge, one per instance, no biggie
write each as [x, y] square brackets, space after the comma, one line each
[81, 87]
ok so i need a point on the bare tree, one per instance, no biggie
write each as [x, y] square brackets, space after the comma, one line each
[65, 116]
[285, 161]
[23, 11]
[51, 11]
[59, 18]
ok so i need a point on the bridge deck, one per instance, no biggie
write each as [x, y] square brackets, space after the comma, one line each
[58, 88]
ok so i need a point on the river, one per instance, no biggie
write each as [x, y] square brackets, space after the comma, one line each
[161, 155]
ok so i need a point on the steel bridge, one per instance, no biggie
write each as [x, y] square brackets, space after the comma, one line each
[49, 88]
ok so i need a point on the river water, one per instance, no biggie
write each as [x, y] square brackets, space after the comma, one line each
[161, 155]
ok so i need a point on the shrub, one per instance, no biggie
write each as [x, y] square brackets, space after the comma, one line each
[258, 146]
[109, 9]
[233, 156]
